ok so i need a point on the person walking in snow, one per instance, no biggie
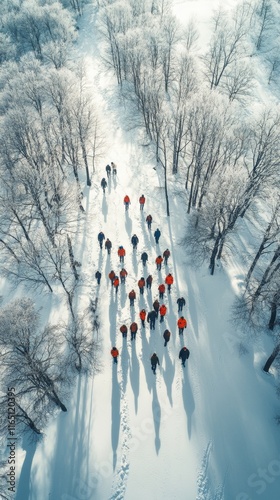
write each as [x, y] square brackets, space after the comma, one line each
[108, 171]
[114, 168]
[98, 277]
[162, 312]
[141, 285]
[123, 275]
[142, 316]
[166, 336]
[169, 281]
[116, 283]
[101, 237]
[149, 220]
[142, 200]
[161, 290]
[132, 297]
[123, 330]
[144, 258]
[133, 330]
[181, 303]
[103, 184]
[114, 354]
[149, 281]
[156, 307]
[159, 260]
[183, 355]
[121, 254]
[126, 201]
[151, 318]
[108, 246]
[154, 362]
[134, 241]
[111, 276]
[182, 324]
[166, 255]
[157, 234]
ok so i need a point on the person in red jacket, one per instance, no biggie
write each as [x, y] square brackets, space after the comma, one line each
[166, 255]
[115, 353]
[116, 283]
[133, 330]
[132, 297]
[123, 330]
[126, 201]
[162, 312]
[161, 290]
[159, 260]
[141, 285]
[169, 281]
[182, 324]
[142, 200]
[111, 276]
[121, 254]
[149, 220]
[142, 315]
[123, 275]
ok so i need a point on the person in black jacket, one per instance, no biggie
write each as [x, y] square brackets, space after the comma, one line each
[103, 184]
[181, 303]
[98, 277]
[149, 281]
[101, 237]
[108, 246]
[157, 234]
[151, 318]
[154, 362]
[108, 170]
[166, 337]
[134, 241]
[144, 258]
[184, 354]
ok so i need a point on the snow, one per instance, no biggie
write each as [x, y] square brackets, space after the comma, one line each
[204, 432]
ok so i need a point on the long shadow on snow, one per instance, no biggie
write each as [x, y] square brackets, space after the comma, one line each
[135, 263]
[156, 416]
[134, 374]
[115, 412]
[168, 374]
[188, 398]
[105, 208]
[191, 306]
[128, 224]
[113, 316]
[124, 363]
[71, 453]
[146, 360]
[23, 487]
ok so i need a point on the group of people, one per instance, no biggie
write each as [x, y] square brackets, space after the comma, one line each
[159, 310]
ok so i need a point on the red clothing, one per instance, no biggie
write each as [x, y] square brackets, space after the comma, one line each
[161, 288]
[132, 295]
[111, 275]
[116, 282]
[162, 310]
[142, 200]
[141, 283]
[142, 314]
[115, 353]
[121, 252]
[169, 279]
[159, 259]
[123, 329]
[123, 273]
[182, 323]
[133, 327]
[126, 199]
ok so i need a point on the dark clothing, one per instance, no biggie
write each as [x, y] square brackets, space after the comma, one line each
[157, 234]
[108, 170]
[151, 318]
[123, 330]
[132, 297]
[149, 219]
[100, 238]
[166, 337]
[134, 241]
[149, 281]
[103, 184]
[154, 362]
[181, 303]
[98, 277]
[183, 355]
[144, 258]
[108, 245]
[166, 255]
[133, 330]
[156, 307]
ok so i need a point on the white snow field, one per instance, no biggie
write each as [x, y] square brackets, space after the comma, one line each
[203, 432]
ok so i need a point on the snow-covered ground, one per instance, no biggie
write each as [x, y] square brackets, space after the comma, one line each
[206, 432]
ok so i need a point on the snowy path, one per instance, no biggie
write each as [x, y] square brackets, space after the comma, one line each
[184, 434]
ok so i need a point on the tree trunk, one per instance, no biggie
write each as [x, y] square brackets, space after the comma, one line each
[271, 358]
[214, 254]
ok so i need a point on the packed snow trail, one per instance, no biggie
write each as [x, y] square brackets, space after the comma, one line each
[183, 434]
